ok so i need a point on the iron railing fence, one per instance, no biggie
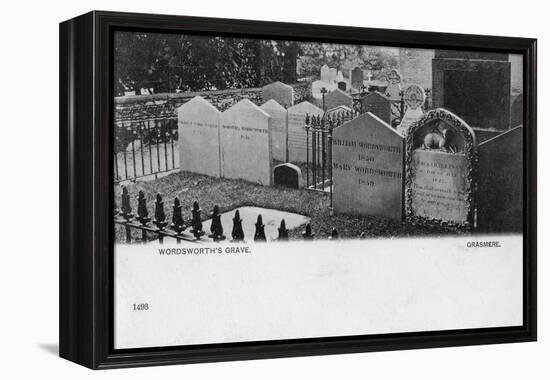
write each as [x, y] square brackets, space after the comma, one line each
[145, 147]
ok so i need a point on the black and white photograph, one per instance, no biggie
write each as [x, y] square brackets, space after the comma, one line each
[282, 189]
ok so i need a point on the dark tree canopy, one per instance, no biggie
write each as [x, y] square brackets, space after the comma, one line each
[173, 62]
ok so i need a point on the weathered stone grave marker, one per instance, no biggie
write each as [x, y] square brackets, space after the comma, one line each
[414, 98]
[368, 168]
[378, 104]
[500, 185]
[199, 137]
[357, 78]
[280, 92]
[288, 175]
[338, 98]
[279, 129]
[394, 87]
[342, 85]
[440, 158]
[325, 73]
[246, 143]
[297, 132]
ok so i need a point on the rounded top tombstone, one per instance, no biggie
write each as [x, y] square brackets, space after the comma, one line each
[394, 77]
[414, 96]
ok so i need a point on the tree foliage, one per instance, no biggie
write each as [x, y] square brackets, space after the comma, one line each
[174, 62]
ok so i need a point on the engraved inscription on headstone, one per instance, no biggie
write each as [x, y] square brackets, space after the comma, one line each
[246, 143]
[297, 132]
[368, 168]
[378, 104]
[440, 154]
[414, 98]
[279, 131]
[199, 137]
[500, 185]
[280, 92]
[338, 98]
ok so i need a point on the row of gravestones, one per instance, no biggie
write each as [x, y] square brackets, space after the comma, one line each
[437, 174]
[242, 141]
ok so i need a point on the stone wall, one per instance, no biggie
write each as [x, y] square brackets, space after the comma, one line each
[166, 104]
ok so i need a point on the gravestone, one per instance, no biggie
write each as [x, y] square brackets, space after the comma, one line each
[279, 131]
[394, 85]
[332, 75]
[325, 73]
[414, 98]
[339, 76]
[368, 168]
[440, 157]
[377, 104]
[516, 113]
[280, 92]
[342, 85]
[297, 132]
[246, 143]
[474, 85]
[357, 78]
[338, 98]
[199, 137]
[500, 184]
[288, 175]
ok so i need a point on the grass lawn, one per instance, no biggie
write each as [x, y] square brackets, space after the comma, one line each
[230, 194]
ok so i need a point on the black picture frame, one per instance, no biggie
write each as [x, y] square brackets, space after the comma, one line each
[86, 191]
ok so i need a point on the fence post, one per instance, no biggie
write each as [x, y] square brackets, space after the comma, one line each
[308, 126]
[126, 212]
[283, 232]
[308, 234]
[259, 234]
[216, 227]
[160, 217]
[237, 233]
[143, 214]
[196, 223]
[177, 219]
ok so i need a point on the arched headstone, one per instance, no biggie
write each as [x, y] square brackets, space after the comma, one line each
[440, 162]
[288, 175]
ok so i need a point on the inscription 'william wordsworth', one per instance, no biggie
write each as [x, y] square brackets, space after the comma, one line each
[368, 168]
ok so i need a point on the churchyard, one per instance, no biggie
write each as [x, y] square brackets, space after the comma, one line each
[353, 156]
